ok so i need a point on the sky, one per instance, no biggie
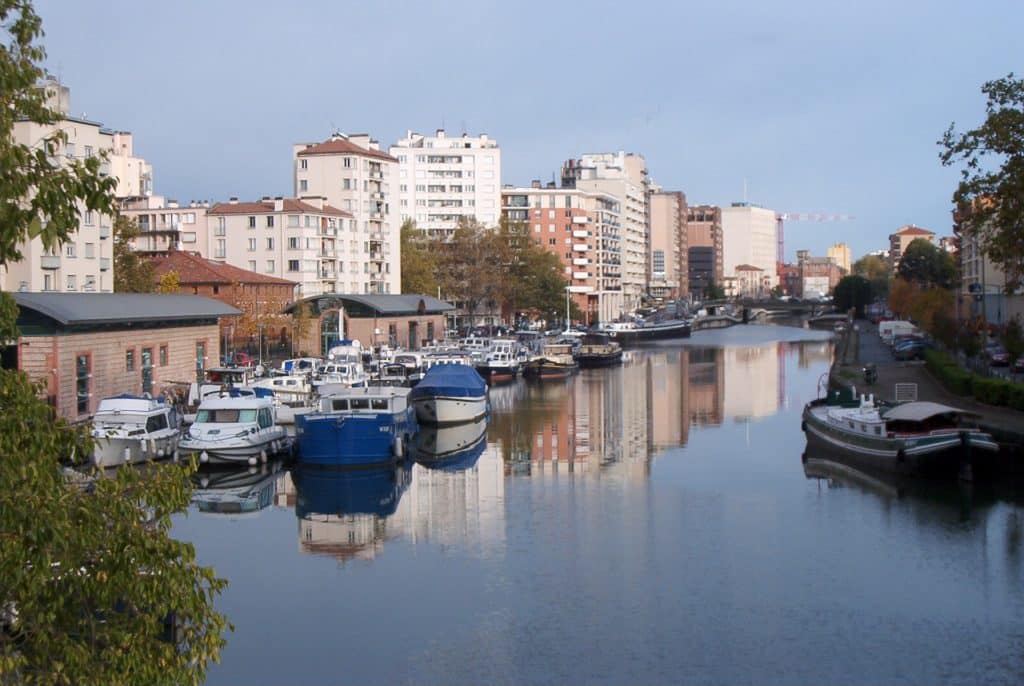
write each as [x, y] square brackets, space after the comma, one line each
[811, 107]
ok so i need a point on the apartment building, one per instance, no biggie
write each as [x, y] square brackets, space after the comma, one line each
[668, 270]
[704, 248]
[840, 254]
[355, 176]
[749, 238]
[84, 263]
[165, 225]
[899, 241]
[623, 176]
[584, 229]
[305, 241]
[983, 284]
[443, 180]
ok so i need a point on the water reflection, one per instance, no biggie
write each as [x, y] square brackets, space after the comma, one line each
[236, 491]
[450, 448]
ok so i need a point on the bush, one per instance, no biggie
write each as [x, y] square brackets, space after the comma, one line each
[992, 391]
[1016, 396]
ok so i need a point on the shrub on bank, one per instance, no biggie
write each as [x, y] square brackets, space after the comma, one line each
[991, 391]
[987, 390]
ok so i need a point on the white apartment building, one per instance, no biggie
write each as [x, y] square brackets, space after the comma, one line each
[584, 230]
[442, 180]
[355, 176]
[749, 238]
[306, 241]
[165, 225]
[624, 176]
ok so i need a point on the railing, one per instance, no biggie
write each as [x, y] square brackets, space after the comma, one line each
[50, 262]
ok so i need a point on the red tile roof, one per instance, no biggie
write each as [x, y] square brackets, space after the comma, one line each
[267, 207]
[343, 146]
[194, 269]
[914, 231]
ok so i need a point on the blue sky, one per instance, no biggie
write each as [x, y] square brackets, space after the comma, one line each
[818, 106]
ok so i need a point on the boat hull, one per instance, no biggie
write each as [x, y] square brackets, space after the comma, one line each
[938, 455]
[238, 452]
[548, 369]
[447, 410]
[597, 360]
[353, 440]
[114, 451]
[644, 334]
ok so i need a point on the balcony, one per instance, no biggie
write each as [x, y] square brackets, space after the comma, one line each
[580, 247]
[580, 219]
[50, 262]
[376, 216]
[580, 275]
[580, 289]
[379, 175]
[104, 232]
[377, 196]
[104, 264]
[580, 261]
[376, 256]
[577, 233]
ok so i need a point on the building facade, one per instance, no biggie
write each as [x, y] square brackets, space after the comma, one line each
[983, 293]
[899, 241]
[164, 225]
[749, 238]
[443, 180]
[355, 176]
[840, 254]
[669, 259]
[752, 282]
[704, 248]
[623, 176]
[583, 230]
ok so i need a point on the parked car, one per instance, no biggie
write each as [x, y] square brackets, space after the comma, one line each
[1018, 365]
[996, 355]
[910, 349]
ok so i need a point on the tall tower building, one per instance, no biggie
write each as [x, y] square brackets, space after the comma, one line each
[624, 176]
[749, 238]
[442, 180]
[669, 244]
[354, 175]
[704, 248]
[840, 253]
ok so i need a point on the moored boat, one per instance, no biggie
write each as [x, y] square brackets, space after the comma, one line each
[501, 362]
[914, 438]
[128, 429]
[235, 430]
[449, 394]
[629, 333]
[554, 362]
[598, 350]
[356, 427]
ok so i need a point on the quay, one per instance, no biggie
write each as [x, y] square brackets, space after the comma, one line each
[860, 344]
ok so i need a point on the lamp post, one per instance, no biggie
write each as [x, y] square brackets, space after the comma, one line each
[567, 309]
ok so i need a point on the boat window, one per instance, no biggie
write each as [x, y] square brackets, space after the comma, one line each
[851, 424]
[225, 416]
[339, 405]
[379, 403]
[864, 427]
[156, 422]
[360, 403]
[878, 430]
[265, 419]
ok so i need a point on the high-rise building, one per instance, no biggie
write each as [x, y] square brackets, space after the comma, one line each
[353, 175]
[749, 238]
[442, 180]
[669, 278]
[85, 262]
[899, 241]
[840, 253]
[623, 176]
[704, 248]
[582, 229]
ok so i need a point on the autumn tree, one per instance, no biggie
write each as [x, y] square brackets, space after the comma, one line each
[989, 200]
[927, 265]
[419, 261]
[901, 297]
[88, 575]
[169, 282]
[133, 273]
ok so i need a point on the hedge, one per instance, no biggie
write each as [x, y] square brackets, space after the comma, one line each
[987, 390]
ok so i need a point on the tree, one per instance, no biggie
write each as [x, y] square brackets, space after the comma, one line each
[876, 270]
[419, 261]
[852, 292]
[714, 291]
[901, 297]
[989, 200]
[132, 272]
[169, 282]
[302, 325]
[926, 265]
[88, 574]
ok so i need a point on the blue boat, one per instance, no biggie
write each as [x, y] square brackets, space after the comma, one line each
[332, 492]
[356, 427]
[450, 394]
[451, 448]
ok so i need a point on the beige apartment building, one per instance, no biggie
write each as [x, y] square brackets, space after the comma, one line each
[899, 241]
[583, 229]
[704, 248]
[669, 244]
[983, 285]
[355, 176]
[84, 263]
[840, 254]
[749, 238]
[442, 180]
[623, 176]
[165, 225]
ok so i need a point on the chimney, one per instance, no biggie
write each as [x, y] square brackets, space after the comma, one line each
[278, 204]
[440, 133]
[550, 184]
[535, 183]
[232, 201]
[317, 201]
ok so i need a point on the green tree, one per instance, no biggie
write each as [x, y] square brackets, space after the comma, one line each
[876, 270]
[988, 199]
[419, 261]
[88, 574]
[925, 264]
[852, 292]
[133, 273]
[714, 291]
[471, 266]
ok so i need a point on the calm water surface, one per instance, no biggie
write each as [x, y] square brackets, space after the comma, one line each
[649, 524]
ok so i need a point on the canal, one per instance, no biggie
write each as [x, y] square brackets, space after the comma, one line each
[653, 523]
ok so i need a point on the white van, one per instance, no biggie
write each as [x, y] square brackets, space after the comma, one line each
[890, 329]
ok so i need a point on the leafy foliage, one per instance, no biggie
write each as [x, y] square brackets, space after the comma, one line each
[133, 273]
[925, 264]
[419, 261]
[852, 292]
[88, 575]
[989, 199]
[170, 282]
[876, 270]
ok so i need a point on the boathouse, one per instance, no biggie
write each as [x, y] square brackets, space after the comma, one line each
[409, 321]
[88, 346]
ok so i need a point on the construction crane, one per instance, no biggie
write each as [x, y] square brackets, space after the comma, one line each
[782, 217]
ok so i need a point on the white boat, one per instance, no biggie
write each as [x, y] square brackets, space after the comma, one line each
[292, 389]
[239, 430]
[128, 429]
[501, 363]
[449, 394]
[349, 373]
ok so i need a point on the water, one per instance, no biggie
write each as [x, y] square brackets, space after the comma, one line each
[649, 524]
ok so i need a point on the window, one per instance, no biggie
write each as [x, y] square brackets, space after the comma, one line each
[129, 360]
[90, 250]
[83, 363]
[252, 222]
[293, 265]
[658, 261]
[221, 226]
[551, 213]
[252, 265]
[346, 162]
[346, 184]
[252, 245]
[536, 228]
[270, 266]
[163, 355]
[72, 282]
[69, 250]
[88, 151]
[293, 221]
[90, 283]
[303, 164]
[303, 185]
[293, 243]
[87, 218]
[270, 242]
[200, 359]
[270, 221]
[220, 249]
[551, 228]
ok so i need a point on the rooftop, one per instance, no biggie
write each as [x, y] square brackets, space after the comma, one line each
[193, 268]
[379, 304]
[76, 309]
[267, 207]
[340, 145]
[914, 231]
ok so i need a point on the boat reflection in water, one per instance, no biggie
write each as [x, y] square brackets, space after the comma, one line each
[236, 491]
[342, 512]
[451, 448]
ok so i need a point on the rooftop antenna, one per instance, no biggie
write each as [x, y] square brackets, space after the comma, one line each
[463, 127]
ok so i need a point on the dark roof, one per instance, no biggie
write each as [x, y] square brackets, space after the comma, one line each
[343, 146]
[195, 269]
[381, 305]
[104, 308]
[267, 207]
